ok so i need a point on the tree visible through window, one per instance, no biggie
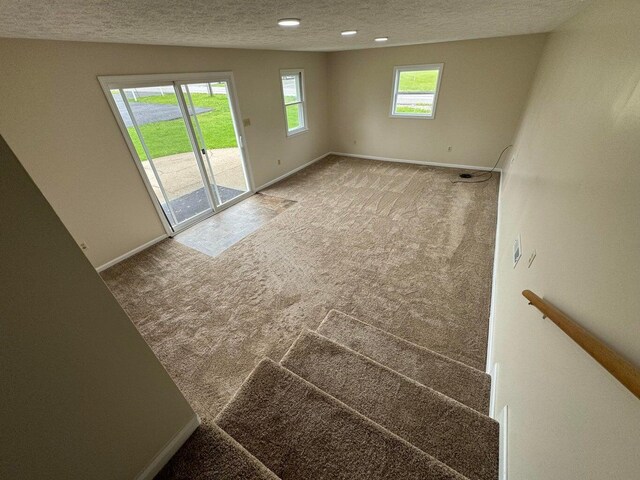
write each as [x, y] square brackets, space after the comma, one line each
[294, 101]
[415, 90]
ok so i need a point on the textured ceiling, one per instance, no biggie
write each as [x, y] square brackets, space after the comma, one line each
[252, 23]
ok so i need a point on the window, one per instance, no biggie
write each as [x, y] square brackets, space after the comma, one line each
[415, 90]
[294, 106]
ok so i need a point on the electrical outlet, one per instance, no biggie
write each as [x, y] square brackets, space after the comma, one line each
[246, 122]
[278, 161]
[449, 148]
[532, 257]
[83, 246]
[517, 250]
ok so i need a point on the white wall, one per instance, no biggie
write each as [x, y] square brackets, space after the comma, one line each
[572, 192]
[483, 91]
[573, 195]
[54, 115]
[83, 396]
[56, 118]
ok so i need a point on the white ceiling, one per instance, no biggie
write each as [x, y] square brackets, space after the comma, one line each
[252, 23]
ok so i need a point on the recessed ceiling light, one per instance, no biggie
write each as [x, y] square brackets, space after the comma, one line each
[348, 33]
[289, 22]
[381, 39]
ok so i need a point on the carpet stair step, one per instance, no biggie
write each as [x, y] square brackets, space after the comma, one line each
[455, 379]
[455, 434]
[223, 458]
[301, 432]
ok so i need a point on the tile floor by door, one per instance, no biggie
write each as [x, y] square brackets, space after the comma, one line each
[217, 233]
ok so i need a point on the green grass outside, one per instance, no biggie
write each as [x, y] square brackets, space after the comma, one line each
[170, 137]
[293, 116]
[420, 81]
[424, 109]
[293, 112]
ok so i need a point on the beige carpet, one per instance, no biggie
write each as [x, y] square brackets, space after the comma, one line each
[300, 432]
[398, 246]
[454, 434]
[468, 386]
[211, 453]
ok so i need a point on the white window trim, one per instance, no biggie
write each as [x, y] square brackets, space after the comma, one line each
[303, 102]
[394, 92]
[109, 82]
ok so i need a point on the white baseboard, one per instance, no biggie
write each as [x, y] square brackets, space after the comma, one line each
[288, 174]
[503, 420]
[490, 340]
[494, 281]
[372, 157]
[416, 162]
[297, 169]
[169, 450]
[494, 373]
[130, 253]
[124, 256]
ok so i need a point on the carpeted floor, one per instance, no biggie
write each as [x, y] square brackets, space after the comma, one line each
[291, 424]
[457, 436]
[398, 246]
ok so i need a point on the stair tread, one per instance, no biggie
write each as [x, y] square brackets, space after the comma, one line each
[455, 434]
[455, 379]
[211, 453]
[301, 432]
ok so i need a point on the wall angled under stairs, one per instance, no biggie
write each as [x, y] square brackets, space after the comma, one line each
[573, 195]
[83, 396]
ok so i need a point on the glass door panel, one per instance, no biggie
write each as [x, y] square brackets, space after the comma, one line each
[156, 126]
[212, 117]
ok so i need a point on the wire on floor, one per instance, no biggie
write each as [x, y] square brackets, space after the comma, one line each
[482, 174]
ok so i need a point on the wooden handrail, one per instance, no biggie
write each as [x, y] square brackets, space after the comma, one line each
[626, 373]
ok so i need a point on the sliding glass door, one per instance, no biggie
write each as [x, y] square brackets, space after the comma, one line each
[186, 141]
[156, 127]
[211, 115]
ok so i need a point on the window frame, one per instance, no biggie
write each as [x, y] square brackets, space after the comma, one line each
[397, 70]
[302, 102]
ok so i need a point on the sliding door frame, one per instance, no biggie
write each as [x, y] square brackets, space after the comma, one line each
[176, 80]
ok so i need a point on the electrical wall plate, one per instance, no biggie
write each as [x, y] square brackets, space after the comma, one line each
[517, 250]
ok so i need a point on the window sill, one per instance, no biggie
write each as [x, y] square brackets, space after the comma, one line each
[297, 132]
[419, 117]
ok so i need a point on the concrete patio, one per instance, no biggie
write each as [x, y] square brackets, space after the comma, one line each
[182, 182]
[180, 174]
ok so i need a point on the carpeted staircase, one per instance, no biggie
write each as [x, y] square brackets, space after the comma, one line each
[352, 401]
